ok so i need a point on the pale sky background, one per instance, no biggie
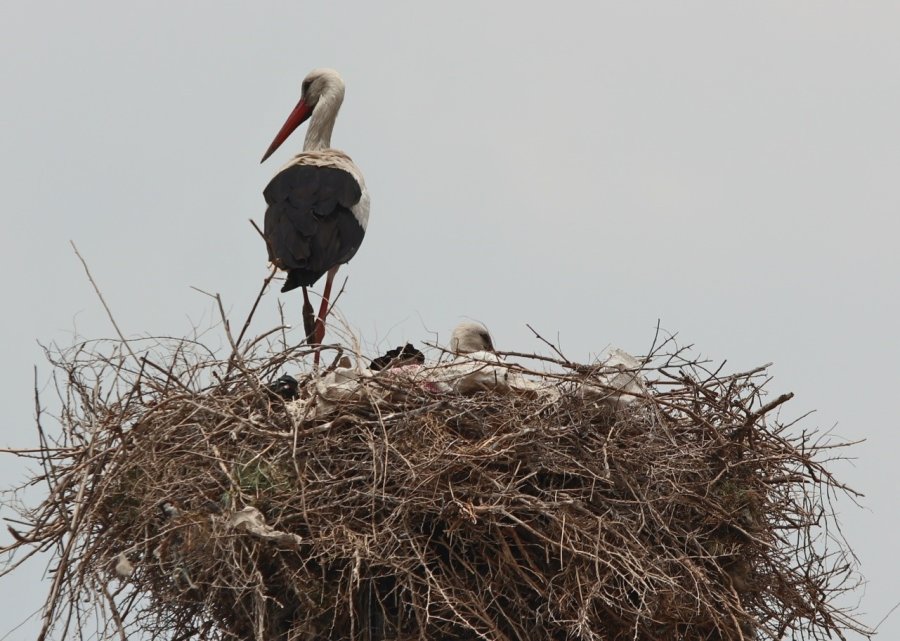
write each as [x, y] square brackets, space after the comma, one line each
[732, 169]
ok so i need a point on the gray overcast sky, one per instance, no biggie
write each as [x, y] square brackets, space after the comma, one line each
[732, 169]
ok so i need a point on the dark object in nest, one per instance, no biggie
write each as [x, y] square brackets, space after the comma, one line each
[285, 386]
[406, 355]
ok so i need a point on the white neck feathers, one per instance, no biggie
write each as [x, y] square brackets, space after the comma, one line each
[321, 124]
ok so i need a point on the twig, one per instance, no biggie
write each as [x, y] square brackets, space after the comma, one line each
[546, 342]
[103, 302]
[240, 338]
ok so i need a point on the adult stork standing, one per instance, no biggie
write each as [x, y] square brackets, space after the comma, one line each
[318, 206]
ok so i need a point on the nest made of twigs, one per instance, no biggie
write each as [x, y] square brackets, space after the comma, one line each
[186, 499]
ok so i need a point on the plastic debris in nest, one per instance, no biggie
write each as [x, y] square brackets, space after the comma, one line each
[619, 382]
[251, 520]
[616, 383]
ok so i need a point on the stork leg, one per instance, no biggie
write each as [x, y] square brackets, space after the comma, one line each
[323, 311]
[309, 321]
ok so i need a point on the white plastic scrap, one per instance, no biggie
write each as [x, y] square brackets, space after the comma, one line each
[336, 389]
[617, 383]
[620, 380]
[124, 568]
[252, 521]
[342, 385]
[464, 375]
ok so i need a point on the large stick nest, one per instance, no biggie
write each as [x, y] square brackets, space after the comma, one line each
[185, 499]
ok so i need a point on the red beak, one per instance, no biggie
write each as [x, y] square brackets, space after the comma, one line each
[300, 113]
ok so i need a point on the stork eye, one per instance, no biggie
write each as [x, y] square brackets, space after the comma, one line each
[305, 87]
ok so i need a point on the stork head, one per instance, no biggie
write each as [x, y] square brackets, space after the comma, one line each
[469, 336]
[320, 87]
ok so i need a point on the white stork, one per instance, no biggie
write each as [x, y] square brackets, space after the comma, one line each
[318, 206]
[469, 337]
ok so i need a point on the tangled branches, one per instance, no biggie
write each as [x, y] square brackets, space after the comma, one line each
[185, 499]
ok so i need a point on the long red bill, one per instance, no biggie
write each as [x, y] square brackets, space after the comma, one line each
[300, 113]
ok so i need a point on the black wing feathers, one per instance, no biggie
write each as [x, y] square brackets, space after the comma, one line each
[309, 226]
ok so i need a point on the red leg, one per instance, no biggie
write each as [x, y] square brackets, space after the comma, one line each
[309, 321]
[323, 311]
